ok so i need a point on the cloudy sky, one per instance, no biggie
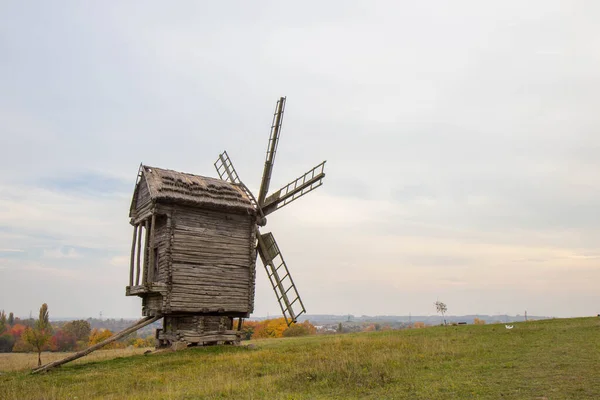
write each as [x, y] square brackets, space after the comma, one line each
[461, 141]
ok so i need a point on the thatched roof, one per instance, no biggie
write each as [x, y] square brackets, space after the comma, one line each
[168, 186]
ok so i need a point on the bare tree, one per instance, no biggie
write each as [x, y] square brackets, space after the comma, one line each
[441, 309]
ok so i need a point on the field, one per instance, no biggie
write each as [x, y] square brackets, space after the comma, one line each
[24, 361]
[551, 359]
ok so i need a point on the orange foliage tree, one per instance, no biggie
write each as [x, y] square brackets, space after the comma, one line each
[276, 328]
[99, 335]
[270, 328]
[300, 329]
[17, 330]
[20, 345]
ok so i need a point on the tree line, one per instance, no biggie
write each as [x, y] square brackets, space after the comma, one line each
[18, 335]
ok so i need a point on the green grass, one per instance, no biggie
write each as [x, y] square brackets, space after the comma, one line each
[553, 359]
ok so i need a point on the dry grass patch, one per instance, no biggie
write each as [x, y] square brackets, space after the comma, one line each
[25, 361]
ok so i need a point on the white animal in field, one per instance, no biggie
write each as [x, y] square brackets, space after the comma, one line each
[508, 326]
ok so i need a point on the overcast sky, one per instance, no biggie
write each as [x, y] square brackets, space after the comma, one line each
[461, 138]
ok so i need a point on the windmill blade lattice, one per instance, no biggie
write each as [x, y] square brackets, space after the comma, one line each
[280, 278]
[271, 149]
[225, 169]
[295, 189]
[227, 172]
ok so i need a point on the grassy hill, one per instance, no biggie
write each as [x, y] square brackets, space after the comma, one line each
[551, 359]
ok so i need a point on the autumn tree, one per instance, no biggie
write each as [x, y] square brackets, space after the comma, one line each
[80, 329]
[270, 328]
[40, 334]
[300, 329]
[63, 341]
[441, 309]
[19, 344]
[478, 321]
[100, 335]
[275, 328]
[17, 330]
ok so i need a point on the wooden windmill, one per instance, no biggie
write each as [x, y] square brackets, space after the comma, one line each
[200, 241]
[194, 249]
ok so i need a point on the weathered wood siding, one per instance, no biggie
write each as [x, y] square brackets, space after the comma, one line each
[152, 304]
[197, 323]
[195, 329]
[143, 201]
[213, 262]
[161, 243]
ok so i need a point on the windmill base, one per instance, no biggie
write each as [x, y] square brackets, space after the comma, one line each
[198, 330]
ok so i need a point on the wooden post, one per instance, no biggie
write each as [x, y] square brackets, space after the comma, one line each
[169, 262]
[131, 264]
[151, 250]
[140, 324]
[139, 255]
[146, 242]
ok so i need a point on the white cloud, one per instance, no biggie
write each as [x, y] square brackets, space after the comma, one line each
[60, 252]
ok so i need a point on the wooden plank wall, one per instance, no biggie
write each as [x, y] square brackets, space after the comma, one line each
[213, 262]
[161, 241]
[197, 323]
[143, 203]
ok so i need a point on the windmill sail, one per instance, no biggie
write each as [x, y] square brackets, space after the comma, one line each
[226, 172]
[295, 189]
[271, 149]
[225, 169]
[280, 278]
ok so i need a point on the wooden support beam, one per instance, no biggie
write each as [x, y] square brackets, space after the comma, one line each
[139, 255]
[138, 325]
[131, 264]
[151, 250]
[146, 242]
